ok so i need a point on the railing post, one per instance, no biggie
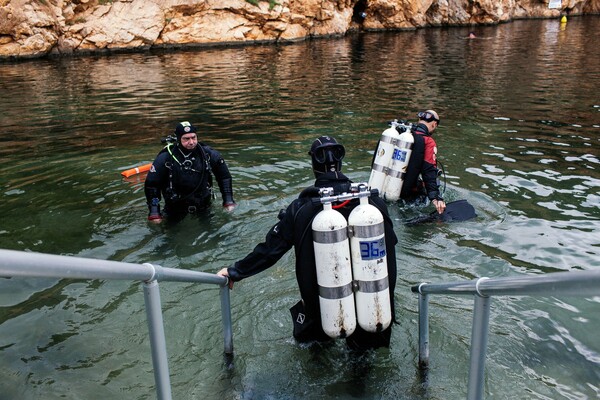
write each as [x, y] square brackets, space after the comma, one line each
[479, 338]
[226, 317]
[157, 340]
[423, 331]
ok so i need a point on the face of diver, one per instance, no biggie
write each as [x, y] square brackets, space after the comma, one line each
[328, 158]
[429, 118]
[189, 141]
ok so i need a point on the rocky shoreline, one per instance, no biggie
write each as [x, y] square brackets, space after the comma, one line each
[41, 28]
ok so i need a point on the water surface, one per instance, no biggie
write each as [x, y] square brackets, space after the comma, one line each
[519, 135]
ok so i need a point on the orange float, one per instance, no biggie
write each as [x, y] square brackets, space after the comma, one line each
[136, 170]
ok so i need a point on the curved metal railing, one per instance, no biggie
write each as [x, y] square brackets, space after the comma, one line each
[39, 265]
[575, 283]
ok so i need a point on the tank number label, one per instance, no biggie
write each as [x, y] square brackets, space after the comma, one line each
[372, 249]
[399, 155]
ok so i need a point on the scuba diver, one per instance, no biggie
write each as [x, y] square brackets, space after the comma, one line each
[294, 230]
[421, 178]
[182, 174]
[405, 167]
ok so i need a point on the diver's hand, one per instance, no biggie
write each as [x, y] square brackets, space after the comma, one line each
[225, 273]
[440, 205]
[229, 206]
[156, 219]
[154, 214]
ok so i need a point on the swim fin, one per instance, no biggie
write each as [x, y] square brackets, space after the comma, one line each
[456, 211]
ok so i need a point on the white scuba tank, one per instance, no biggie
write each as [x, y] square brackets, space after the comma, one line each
[334, 272]
[397, 168]
[369, 266]
[383, 157]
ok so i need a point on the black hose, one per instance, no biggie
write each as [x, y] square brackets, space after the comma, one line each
[444, 175]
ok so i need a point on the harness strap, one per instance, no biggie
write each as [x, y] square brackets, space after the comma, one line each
[207, 167]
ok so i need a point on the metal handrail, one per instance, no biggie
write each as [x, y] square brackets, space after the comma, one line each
[38, 265]
[574, 283]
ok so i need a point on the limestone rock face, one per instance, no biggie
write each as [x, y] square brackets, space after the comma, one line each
[35, 28]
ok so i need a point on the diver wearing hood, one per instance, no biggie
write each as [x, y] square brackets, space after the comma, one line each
[294, 230]
[182, 175]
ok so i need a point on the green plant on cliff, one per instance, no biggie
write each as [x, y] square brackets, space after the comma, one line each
[272, 3]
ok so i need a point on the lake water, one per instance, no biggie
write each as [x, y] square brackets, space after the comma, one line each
[519, 136]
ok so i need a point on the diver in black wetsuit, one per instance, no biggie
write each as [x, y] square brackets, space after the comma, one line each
[182, 174]
[294, 230]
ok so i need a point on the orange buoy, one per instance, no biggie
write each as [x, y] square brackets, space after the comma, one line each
[136, 170]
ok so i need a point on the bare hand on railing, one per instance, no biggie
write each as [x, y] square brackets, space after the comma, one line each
[223, 272]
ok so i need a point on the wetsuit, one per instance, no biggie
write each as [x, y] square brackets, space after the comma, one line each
[294, 229]
[422, 163]
[184, 179]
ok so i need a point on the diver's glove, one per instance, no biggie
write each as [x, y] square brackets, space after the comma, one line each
[154, 210]
[227, 194]
[229, 206]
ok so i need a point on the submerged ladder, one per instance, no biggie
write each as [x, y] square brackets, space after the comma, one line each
[39, 265]
[574, 283]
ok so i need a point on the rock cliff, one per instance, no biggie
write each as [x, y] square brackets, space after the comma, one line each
[35, 28]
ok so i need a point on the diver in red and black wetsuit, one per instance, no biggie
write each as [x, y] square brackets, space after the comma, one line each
[421, 177]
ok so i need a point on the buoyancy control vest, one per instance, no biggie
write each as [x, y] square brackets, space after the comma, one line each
[189, 176]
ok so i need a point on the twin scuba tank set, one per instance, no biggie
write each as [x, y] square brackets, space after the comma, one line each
[350, 256]
[391, 160]
[351, 264]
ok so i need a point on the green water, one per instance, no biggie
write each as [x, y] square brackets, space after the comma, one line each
[519, 135]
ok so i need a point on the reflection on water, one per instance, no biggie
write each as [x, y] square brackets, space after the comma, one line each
[518, 138]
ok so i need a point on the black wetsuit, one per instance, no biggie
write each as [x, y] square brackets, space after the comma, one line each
[294, 229]
[184, 179]
[421, 176]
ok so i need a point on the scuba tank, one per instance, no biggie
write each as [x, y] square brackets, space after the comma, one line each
[369, 266]
[351, 273]
[399, 164]
[383, 157]
[334, 271]
[391, 159]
